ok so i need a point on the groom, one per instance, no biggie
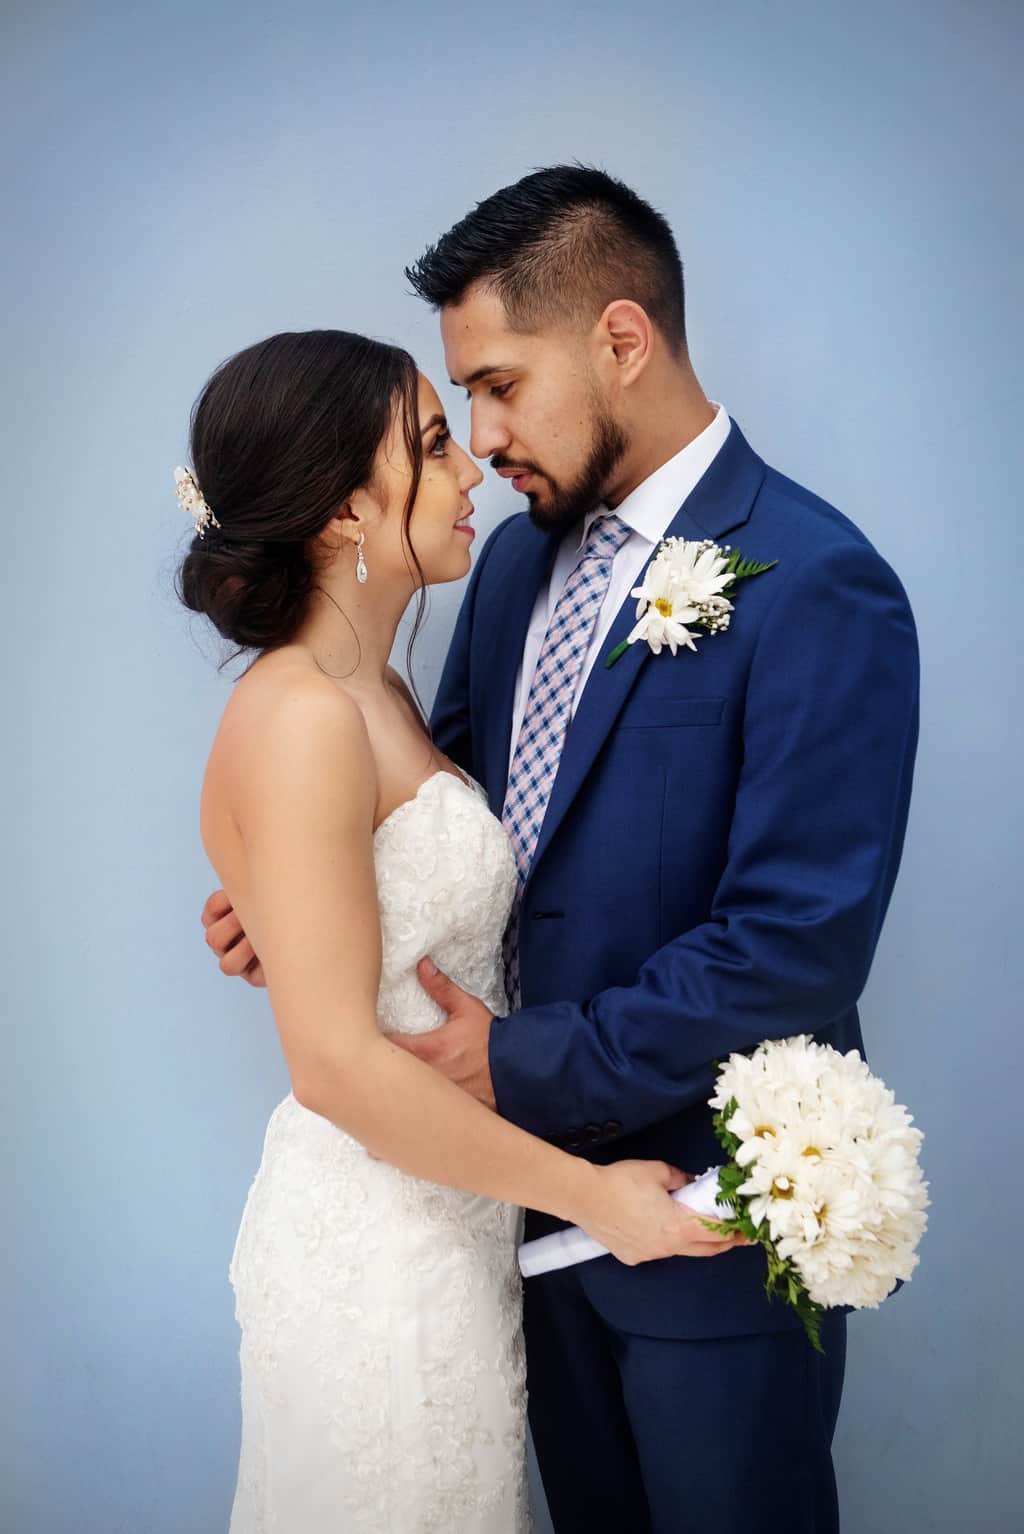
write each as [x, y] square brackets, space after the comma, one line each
[707, 840]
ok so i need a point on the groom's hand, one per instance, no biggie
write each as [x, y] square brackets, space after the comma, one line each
[458, 1048]
[225, 936]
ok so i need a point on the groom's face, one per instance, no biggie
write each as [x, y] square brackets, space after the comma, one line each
[537, 409]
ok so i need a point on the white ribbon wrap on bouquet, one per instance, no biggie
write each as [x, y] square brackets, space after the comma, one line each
[563, 1248]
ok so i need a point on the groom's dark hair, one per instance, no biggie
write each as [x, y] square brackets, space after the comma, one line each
[560, 244]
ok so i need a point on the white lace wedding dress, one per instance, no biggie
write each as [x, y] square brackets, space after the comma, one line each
[383, 1377]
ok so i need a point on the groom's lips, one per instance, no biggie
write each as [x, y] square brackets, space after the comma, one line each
[518, 477]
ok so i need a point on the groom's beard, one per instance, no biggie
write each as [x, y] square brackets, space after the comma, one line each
[566, 505]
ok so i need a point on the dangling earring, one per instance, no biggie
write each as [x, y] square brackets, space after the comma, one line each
[361, 562]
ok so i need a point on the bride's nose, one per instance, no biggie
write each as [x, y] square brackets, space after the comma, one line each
[470, 473]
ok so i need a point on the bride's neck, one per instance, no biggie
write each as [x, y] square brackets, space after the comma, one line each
[350, 629]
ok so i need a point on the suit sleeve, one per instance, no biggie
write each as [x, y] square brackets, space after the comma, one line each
[829, 737]
[450, 716]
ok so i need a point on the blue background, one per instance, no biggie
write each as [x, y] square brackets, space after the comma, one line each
[180, 181]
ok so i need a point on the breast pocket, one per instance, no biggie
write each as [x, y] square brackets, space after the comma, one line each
[669, 713]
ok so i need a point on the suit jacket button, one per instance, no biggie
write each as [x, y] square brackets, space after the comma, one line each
[613, 1127]
[592, 1133]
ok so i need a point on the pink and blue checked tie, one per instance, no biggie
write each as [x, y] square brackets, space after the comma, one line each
[549, 710]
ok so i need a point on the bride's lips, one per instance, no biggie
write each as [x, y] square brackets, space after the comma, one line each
[462, 525]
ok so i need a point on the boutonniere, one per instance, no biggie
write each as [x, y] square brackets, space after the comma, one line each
[686, 582]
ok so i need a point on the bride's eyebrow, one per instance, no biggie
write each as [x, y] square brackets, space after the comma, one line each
[435, 420]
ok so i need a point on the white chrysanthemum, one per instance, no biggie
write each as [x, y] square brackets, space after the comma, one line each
[681, 585]
[832, 1167]
[862, 1249]
[764, 1114]
[782, 1187]
[696, 568]
[662, 615]
[773, 1091]
[780, 1066]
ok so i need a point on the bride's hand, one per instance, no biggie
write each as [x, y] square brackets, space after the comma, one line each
[628, 1211]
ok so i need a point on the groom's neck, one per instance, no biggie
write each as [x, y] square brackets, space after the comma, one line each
[669, 411]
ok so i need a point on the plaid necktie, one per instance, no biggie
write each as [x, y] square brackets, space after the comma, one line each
[549, 710]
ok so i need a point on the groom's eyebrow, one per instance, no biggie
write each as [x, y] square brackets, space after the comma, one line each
[484, 372]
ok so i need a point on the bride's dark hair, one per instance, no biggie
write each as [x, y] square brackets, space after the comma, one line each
[281, 435]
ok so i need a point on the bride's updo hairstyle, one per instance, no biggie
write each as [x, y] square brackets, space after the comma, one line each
[283, 433]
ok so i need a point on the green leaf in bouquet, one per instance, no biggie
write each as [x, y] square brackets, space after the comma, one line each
[728, 1141]
[782, 1279]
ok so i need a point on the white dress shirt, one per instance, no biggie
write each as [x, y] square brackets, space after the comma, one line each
[648, 510]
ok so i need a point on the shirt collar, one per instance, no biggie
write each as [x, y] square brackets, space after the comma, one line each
[650, 508]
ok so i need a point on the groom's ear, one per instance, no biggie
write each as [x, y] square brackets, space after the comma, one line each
[626, 335]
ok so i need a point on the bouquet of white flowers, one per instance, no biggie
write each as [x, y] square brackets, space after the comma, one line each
[822, 1172]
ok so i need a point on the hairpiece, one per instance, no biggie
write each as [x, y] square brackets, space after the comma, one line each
[190, 498]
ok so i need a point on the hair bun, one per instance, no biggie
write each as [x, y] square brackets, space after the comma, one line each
[255, 593]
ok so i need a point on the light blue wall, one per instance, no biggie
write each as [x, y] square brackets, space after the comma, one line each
[188, 178]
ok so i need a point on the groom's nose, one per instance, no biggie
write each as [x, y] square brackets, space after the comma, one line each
[487, 435]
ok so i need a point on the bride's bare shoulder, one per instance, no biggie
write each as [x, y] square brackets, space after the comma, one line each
[284, 717]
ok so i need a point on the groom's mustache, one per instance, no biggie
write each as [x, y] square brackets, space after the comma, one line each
[521, 468]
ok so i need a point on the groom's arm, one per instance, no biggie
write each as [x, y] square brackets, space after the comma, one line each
[830, 732]
[449, 718]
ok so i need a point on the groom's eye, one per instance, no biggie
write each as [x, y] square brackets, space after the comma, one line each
[501, 390]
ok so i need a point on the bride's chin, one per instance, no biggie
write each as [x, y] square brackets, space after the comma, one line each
[459, 565]
[443, 574]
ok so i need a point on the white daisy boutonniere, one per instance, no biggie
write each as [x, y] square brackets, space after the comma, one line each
[686, 582]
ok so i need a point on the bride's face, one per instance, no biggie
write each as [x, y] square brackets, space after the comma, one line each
[439, 528]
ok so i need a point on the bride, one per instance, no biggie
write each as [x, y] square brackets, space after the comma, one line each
[375, 1269]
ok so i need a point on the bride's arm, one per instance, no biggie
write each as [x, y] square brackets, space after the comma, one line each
[304, 806]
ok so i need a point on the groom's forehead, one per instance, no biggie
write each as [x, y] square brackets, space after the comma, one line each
[478, 341]
[472, 330]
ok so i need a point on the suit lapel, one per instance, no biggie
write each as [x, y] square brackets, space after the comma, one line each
[719, 502]
[502, 630]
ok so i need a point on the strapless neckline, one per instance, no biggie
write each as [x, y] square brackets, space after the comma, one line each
[469, 784]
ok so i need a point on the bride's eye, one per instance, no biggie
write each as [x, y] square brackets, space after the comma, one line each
[440, 441]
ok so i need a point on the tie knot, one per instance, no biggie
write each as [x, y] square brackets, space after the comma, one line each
[606, 536]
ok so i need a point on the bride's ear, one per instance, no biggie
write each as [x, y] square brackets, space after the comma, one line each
[353, 517]
[342, 528]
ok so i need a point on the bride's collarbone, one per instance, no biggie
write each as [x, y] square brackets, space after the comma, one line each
[405, 758]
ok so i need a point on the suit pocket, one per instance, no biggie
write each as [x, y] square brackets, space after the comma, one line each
[669, 713]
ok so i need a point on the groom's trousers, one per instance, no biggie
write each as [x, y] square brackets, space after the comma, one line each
[647, 1435]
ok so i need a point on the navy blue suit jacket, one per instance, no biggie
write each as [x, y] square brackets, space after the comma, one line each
[718, 851]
